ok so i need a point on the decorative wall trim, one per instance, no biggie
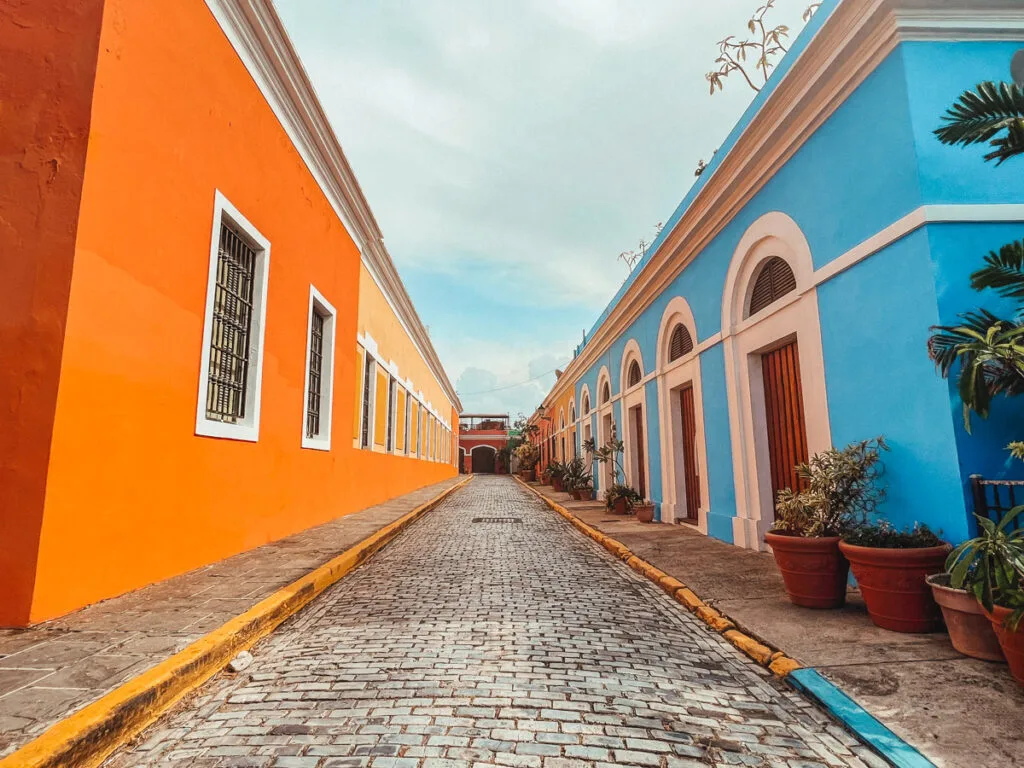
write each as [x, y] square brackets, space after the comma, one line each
[258, 36]
[852, 42]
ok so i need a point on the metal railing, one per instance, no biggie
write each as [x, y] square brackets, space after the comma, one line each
[994, 498]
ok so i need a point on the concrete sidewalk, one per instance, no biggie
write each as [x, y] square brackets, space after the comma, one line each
[955, 710]
[53, 669]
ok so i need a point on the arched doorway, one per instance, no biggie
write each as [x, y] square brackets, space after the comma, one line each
[483, 459]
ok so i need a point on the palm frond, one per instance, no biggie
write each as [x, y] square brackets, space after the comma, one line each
[977, 116]
[990, 353]
[1003, 271]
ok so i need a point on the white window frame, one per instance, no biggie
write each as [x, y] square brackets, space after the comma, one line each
[390, 426]
[247, 429]
[317, 303]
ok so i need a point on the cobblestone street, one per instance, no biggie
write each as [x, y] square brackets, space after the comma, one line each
[492, 632]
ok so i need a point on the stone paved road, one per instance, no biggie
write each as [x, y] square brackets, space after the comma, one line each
[472, 642]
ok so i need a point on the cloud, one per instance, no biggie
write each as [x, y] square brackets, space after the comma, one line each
[511, 151]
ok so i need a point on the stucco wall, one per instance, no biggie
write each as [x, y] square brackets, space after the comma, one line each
[44, 126]
[134, 495]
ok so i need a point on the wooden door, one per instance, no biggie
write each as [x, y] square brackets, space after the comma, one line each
[690, 476]
[641, 478]
[784, 415]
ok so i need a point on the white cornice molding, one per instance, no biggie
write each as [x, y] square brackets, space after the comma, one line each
[258, 36]
[854, 40]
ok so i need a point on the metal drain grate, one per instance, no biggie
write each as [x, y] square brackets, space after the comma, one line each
[497, 520]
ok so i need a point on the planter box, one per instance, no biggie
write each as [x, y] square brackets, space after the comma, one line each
[894, 587]
[813, 569]
[970, 630]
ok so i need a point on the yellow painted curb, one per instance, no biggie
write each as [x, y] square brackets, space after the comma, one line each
[88, 736]
[776, 661]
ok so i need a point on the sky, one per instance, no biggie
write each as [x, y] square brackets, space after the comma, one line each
[512, 149]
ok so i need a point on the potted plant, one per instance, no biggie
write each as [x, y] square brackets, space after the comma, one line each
[644, 511]
[840, 489]
[981, 574]
[527, 454]
[577, 480]
[556, 470]
[621, 499]
[890, 566]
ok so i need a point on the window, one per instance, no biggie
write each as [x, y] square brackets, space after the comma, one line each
[572, 413]
[586, 404]
[422, 443]
[680, 344]
[606, 393]
[391, 415]
[634, 374]
[369, 371]
[319, 373]
[231, 368]
[774, 280]
[408, 420]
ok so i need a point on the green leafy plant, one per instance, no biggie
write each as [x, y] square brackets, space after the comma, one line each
[988, 350]
[611, 453]
[556, 469]
[991, 565]
[983, 115]
[576, 477]
[624, 492]
[882, 534]
[841, 490]
[528, 455]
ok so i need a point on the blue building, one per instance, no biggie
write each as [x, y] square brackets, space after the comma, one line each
[786, 306]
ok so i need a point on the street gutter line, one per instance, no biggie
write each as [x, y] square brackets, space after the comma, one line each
[87, 737]
[808, 681]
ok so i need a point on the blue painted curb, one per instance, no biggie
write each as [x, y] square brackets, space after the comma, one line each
[857, 719]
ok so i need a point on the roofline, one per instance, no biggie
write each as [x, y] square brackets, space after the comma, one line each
[840, 46]
[259, 38]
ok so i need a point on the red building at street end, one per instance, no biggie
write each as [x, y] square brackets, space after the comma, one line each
[481, 437]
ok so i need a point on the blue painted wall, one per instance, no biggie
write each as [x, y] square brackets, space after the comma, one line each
[872, 162]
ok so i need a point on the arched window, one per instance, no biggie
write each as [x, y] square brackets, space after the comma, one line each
[634, 374]
[680, 344]
[774, 280]
[606, 393]
[586, 404]
[572, 413]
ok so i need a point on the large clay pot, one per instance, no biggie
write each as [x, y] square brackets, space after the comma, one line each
[970, 630]
[529, 475]
[894, 587]
[619, 507]
[813, 569]
[556, 483]
[577, 494]
[644, 513]
[1011, 642]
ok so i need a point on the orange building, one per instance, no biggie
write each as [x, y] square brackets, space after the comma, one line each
[206, 346]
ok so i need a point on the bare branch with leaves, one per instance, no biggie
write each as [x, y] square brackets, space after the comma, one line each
[754, 59]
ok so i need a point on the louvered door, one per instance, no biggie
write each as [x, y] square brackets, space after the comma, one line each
[641, 477]
[691, 479]
[784, 416]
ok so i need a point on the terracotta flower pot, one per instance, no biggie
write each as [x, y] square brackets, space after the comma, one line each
[894, 587]
[557, 484]
[619, 507]
[576, 494]
[813, 569]
[1012, 643]
[644, 513]
[970, 630]
[529, 475]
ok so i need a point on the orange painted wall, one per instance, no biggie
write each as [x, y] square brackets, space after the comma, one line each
[44, 125]
[133, 495]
